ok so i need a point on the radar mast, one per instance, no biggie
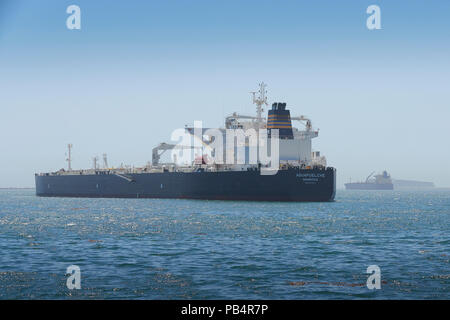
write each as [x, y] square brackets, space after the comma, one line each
[260, 101]
[69, 158]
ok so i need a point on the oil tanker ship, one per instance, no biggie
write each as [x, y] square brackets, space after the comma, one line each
[378, 182]
[299, 175]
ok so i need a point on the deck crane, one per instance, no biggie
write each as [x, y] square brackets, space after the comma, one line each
[308, 124]
[163, 147]
[367, 179]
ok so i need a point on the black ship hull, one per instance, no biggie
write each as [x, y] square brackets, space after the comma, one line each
[286, 185]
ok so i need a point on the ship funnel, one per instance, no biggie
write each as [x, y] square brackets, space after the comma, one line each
[280, 118]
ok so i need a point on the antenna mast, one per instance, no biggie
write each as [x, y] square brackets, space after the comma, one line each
[94, 162]
[69, 158]
[105, 161]
[260, 101]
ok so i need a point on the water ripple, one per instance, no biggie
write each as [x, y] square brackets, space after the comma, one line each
[188, 249]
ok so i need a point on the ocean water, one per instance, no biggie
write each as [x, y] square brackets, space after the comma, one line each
[191, 249]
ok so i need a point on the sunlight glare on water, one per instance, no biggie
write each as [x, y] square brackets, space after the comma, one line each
[183, 249]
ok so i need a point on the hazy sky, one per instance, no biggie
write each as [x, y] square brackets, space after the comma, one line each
[139, 69]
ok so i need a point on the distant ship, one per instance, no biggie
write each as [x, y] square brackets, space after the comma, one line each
[378, 182]
[412, 184]
[302, 175]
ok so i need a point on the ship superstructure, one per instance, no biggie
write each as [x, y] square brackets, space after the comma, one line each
[295, 144]
[300, 174]
[381, 181]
